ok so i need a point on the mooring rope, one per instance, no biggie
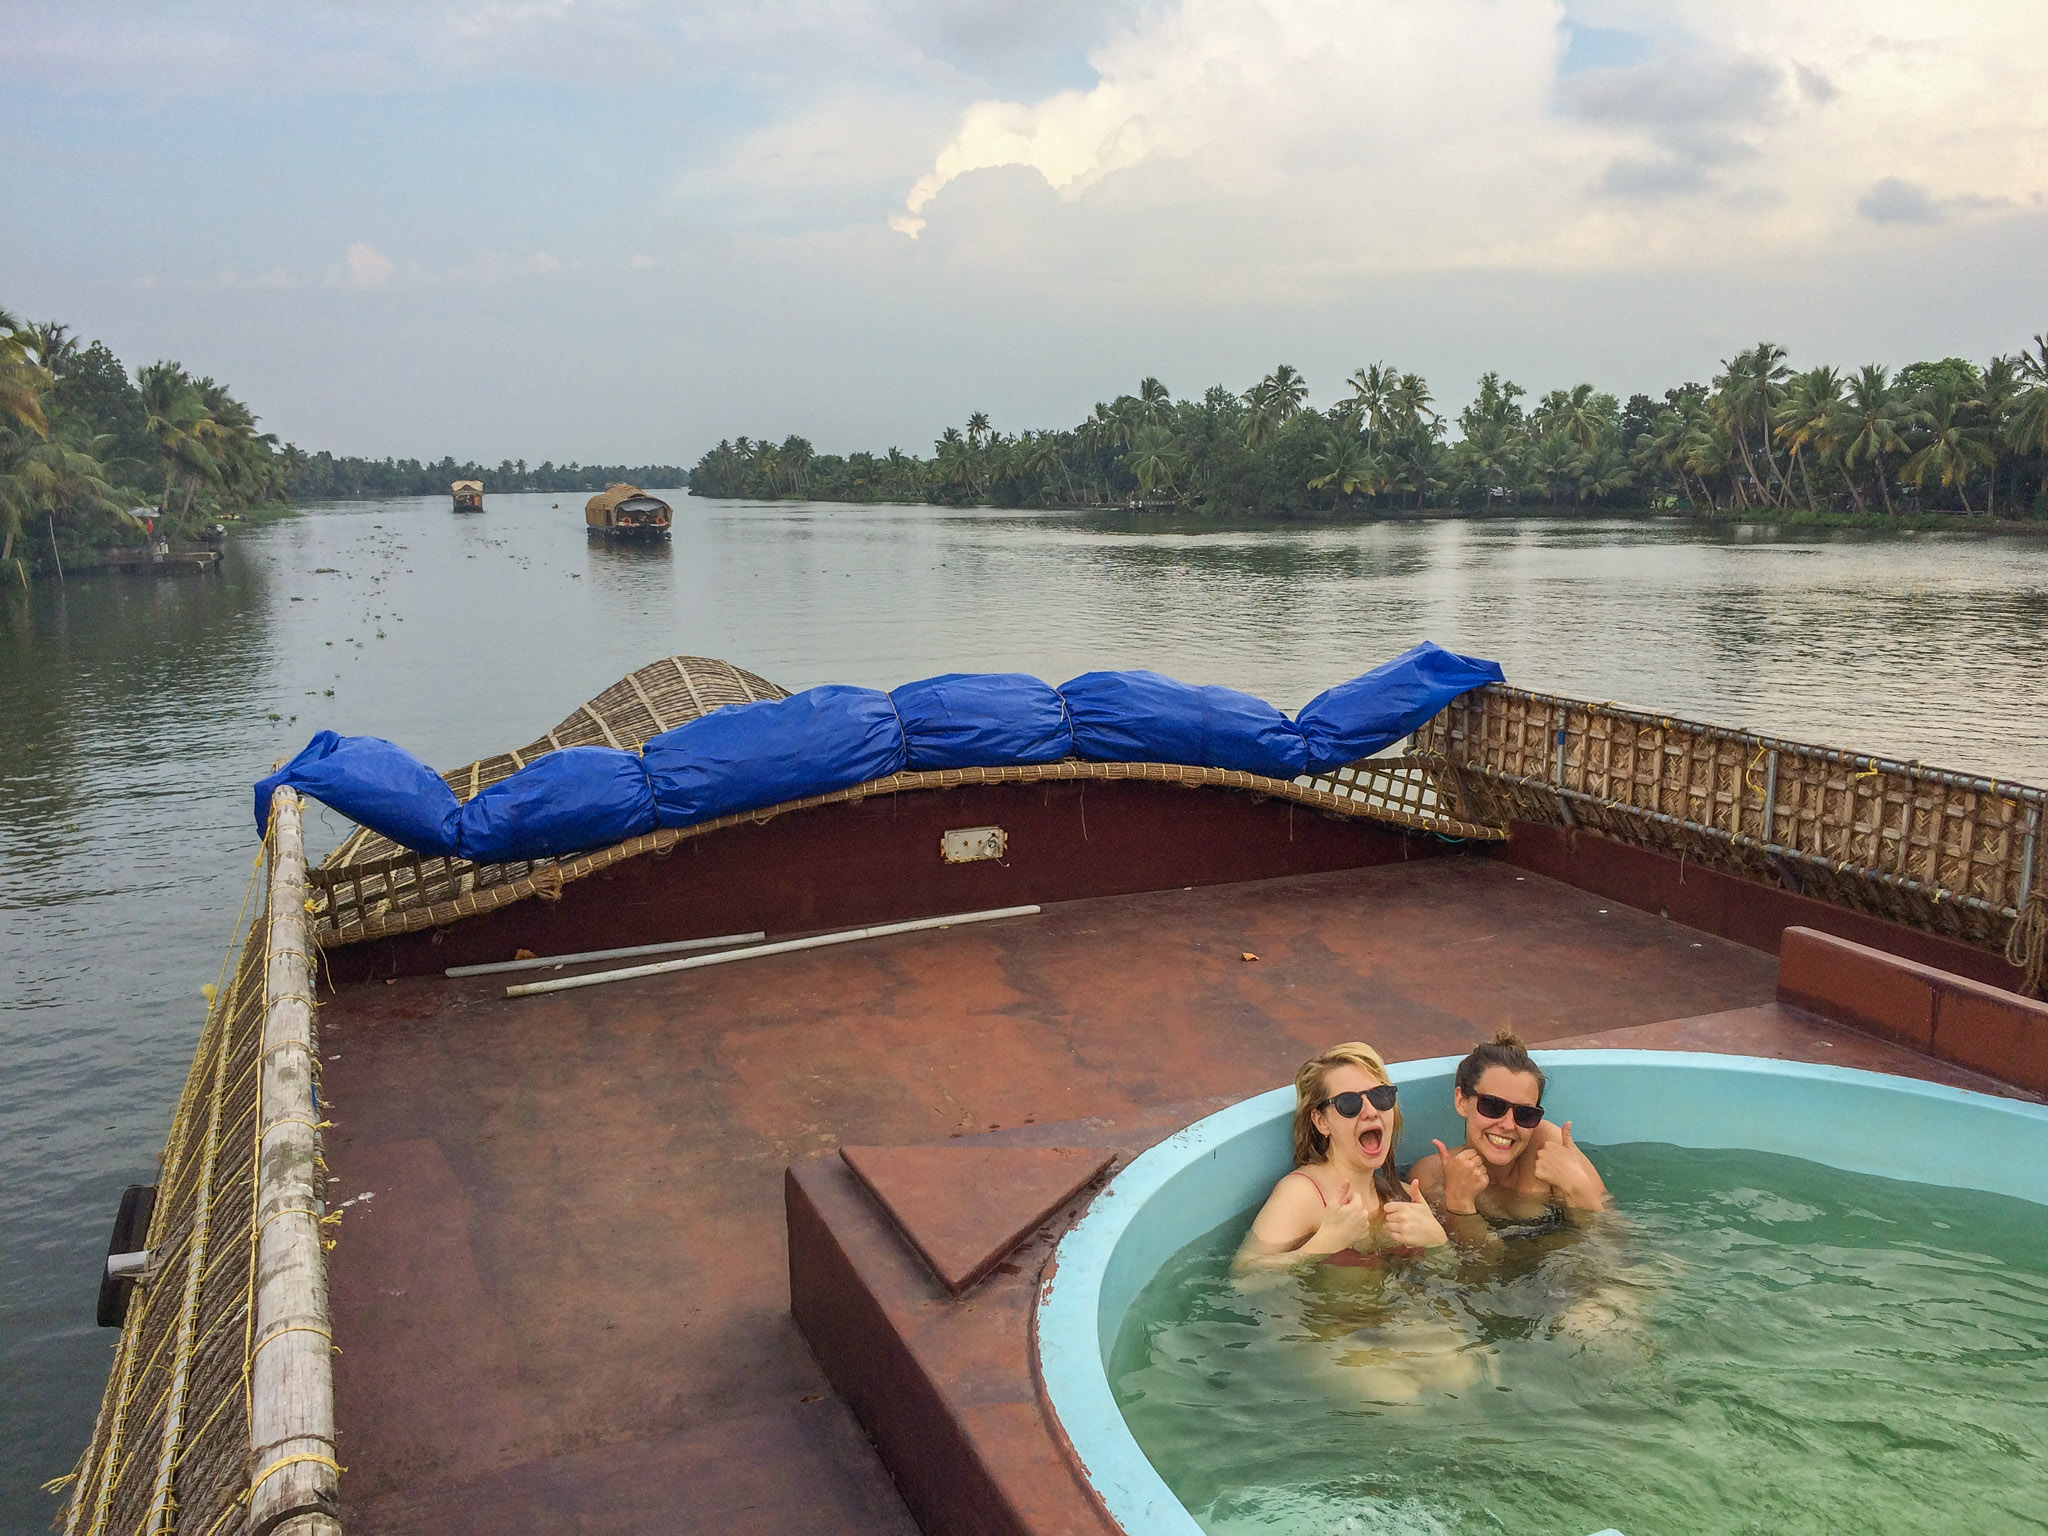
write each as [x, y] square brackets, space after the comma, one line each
[2027, 945]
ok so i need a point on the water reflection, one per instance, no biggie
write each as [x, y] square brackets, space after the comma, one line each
[135, 712]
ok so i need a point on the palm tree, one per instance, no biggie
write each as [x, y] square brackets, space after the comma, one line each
[1154, 458]
[1346, 465]
[1808, 418]
[2026, 424]
[1371, 397]
[1869, 432]
[1954, 448]
[1997, 396]
[22, 381]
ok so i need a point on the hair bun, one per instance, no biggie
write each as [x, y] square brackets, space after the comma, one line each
[1507, 1037]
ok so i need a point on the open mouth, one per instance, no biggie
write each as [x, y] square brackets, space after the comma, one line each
[1371, 1140]
[1497, 1140]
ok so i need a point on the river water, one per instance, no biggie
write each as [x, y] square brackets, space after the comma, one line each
[135, 712]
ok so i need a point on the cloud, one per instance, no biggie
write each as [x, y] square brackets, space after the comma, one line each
[1897, 201]
[1391, 135]
[367, 266]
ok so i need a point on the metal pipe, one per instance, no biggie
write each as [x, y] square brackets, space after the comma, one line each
[544, 961]
[786, 946]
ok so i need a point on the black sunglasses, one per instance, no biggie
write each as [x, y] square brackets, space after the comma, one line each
[1381, 1096]
[1527, 1116]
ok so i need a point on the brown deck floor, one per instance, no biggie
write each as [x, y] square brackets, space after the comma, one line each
[561, 1290]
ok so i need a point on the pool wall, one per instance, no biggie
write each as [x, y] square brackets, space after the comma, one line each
[1864, 1122]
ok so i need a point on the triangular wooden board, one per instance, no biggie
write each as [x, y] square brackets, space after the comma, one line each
[964, 1208]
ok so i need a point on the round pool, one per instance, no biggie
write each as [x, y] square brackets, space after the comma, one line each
[1861, 1122]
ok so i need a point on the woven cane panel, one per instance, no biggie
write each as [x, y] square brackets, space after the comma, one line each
[207, 1173]
[1940, 851]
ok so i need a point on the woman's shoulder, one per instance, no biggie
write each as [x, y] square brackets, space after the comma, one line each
[1302, 1181]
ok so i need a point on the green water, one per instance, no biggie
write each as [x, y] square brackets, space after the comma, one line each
[1760, 1344]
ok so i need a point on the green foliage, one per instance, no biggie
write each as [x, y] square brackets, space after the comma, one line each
[1760, 439]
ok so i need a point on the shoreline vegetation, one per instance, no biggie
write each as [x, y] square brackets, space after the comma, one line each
[1936, 445]
[85, 448]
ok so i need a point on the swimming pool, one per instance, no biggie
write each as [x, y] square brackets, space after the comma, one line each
[1858, 1121]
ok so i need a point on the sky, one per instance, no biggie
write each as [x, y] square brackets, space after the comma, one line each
[614, 231]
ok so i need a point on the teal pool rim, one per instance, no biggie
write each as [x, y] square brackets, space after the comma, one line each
[1927, 1132]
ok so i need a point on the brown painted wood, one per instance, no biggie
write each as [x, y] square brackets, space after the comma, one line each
[964, 1208]
[1732, 908]
[848, 865]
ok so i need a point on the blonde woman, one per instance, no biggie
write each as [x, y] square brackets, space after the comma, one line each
[1341, 1202]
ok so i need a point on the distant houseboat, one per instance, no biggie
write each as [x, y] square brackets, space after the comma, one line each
[626, 512]
[469, 495]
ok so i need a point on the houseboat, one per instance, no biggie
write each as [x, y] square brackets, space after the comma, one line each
[712, 1178]
[626, 512]
[468, 494]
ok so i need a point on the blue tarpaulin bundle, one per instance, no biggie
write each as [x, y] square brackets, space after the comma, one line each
[982, 720]
[375, 782]
[1358, 718]
[1142, 717]
[747, 756]
[577, 798]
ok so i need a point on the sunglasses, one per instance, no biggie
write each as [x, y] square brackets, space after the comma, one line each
[1348, 1105]
[1492, 1106]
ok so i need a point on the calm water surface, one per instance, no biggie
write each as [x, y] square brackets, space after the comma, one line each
[1760, 1344]
[134, 713]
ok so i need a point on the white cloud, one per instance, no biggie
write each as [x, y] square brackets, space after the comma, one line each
[367, 266]
[1383, 135]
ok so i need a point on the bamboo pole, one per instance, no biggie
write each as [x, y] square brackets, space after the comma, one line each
[542, 962]
[786, 946]
[291, 1372]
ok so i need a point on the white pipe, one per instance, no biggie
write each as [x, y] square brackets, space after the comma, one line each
[695, 962]
[599, 954]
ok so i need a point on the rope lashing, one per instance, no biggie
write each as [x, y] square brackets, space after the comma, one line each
[2027, 945]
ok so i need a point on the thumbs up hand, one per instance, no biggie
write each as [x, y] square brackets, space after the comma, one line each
[1411, 1223]
[1465, 1178]
[1560, 1164]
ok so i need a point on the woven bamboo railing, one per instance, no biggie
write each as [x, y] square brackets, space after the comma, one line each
[219, 1410]
[1948, 853]
[371, 888]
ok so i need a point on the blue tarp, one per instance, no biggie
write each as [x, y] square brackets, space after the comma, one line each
[982, 720]
[577, 798]
[745, 756]
[1142, 717]
[1358, 718]
[375, 782]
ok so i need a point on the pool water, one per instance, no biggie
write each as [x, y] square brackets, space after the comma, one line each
[1756, 1344]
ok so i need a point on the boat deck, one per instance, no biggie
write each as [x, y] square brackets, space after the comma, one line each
[561, 1284]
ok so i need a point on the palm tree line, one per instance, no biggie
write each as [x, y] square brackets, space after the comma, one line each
[1946, 436]
[81, 443]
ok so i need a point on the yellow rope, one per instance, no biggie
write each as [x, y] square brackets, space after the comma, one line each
[285, 1461]
[2027, 945]
[278, 1333]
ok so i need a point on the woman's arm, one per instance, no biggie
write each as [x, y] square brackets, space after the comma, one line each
[1571, 1174]
[1294, 1225]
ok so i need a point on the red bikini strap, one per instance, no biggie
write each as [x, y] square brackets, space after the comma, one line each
[1303, 1173]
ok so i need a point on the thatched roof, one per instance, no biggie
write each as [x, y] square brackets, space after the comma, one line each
[612, 497]
[467, 485]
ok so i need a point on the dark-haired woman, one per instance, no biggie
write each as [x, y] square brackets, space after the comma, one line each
[1515, 1166]
[1341, 1198]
